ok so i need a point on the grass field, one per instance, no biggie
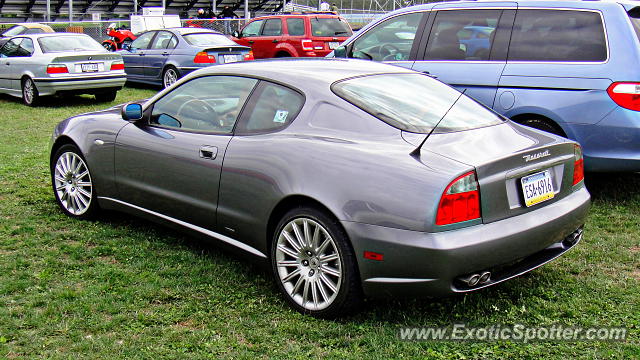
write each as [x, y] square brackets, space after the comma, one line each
[122, 287]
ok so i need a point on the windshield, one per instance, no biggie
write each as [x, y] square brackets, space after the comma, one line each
[329, 27]
[415, 103]
[51, 44]
[206, 39]
[14, 30]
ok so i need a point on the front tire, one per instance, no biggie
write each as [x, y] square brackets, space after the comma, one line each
[72, 183]
[169, 76]
[313, 264]
[30, 95]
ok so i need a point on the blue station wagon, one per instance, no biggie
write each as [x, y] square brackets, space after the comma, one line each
[570, 67]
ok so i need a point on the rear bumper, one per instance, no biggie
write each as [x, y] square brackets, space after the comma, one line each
[50, 86]
[429, 264]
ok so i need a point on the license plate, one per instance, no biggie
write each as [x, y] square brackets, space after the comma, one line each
[231, 58]
[333, 45]
[89, 67]
[537, 188]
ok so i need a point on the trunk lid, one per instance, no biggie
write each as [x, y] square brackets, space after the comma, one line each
[503, 155]
[227, 54]
[87, 62]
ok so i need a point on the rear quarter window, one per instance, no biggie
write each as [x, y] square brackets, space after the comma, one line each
[558, 35]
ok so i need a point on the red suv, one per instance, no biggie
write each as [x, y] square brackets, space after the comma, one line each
[295, 34]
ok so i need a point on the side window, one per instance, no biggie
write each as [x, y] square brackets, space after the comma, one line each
[273, 27]
[142, 42]
[162, 40]
[10, 49]
[205, 104]
[25, 48]
[462, 35]
[388, 41]
[274, 107]
[173, 42]
[295, 26]
[253, 29]
[557, 35]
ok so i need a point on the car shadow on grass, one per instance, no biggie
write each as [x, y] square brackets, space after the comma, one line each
[614, 187]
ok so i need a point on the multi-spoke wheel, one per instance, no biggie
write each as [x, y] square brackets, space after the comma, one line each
[30, 95]
[169, 76]
[72, 183]
[314, 265]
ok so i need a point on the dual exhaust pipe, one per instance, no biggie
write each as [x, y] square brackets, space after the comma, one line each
[476, 279]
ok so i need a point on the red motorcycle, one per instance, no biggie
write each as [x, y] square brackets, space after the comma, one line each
[118, 37]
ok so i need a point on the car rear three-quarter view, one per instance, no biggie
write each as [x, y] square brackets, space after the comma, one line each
[349, 178]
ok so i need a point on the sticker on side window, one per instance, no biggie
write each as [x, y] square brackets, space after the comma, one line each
[280, 116]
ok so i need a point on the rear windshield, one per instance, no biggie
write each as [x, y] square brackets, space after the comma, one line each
[415, 103]
[329, 27]
[51, 44]
[634, 16]
[14, 30]
[206, 39]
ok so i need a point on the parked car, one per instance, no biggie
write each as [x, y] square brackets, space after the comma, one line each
[33, 66]
[294, 35]
[163, 56]
[348, 177]
[569, 67]
[24, 29]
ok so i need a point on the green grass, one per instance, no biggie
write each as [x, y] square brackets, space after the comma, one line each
[123, 287]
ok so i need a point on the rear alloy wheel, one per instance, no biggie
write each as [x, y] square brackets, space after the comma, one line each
[30, 95]
[107, 96]
[313, 264]
[169, 77]
[72, 183]
[544, 125]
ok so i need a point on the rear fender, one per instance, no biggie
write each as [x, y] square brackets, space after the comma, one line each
[287, 48]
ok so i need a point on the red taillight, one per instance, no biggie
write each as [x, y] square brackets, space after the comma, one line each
[204, 58]
[307, 45]
[578, 165]
[57, 69]
[625, 94]
[460, 200]
[249, 56]
[117, 66]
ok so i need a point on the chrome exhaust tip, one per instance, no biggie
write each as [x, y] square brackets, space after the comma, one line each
[471, 280]
[485, 277]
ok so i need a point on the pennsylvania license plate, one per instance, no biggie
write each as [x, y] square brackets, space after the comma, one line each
[537, 188]
[333, 45]
[89, 67]
[231, 58]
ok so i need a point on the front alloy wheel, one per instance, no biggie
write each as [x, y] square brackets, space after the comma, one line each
[72, 183]
[314, 265]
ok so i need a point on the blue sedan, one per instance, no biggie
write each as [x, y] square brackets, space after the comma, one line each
[163, 56]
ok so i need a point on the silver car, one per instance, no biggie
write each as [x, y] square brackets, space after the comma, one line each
[349, 178]
[32, 66]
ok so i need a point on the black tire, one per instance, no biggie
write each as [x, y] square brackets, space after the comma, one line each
[544, 125]
[72, 183]
[107, 96]
[283, 55]
[167, 73]
[30, 94]
[316, 279]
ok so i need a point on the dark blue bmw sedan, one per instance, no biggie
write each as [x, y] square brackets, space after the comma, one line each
[163, 56]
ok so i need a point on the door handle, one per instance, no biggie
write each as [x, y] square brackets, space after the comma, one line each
[251, 41]
[429, 74]
[8, 63]
[208, 152]
[165, 53]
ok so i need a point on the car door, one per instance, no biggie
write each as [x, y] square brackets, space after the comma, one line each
[271, 35]
[450, 55]
[249, 34]
[134, 58]
[7, 53]
[159, 51]
[169, 162]
[18, 61]
[394, 40]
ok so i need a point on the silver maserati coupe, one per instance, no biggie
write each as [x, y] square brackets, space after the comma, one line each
[348, 178]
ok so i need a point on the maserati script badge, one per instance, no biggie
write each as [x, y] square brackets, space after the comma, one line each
[539, 155]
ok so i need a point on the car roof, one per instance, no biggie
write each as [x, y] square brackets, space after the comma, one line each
[35, 26]
[191, 30]
[578, 4]
[301, 72]
[300, 14]
[54, 34]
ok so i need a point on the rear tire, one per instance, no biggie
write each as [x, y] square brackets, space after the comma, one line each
[107, 96]
[30, 95]
[169, 76]
[314, 265]
[72, 183]
[544, 125]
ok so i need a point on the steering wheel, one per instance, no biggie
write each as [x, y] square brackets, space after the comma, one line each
[388, 51]
[199, 111]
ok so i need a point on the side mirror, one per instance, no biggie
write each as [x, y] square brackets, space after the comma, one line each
[340, 52]
[236, 34]
[132, 112]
